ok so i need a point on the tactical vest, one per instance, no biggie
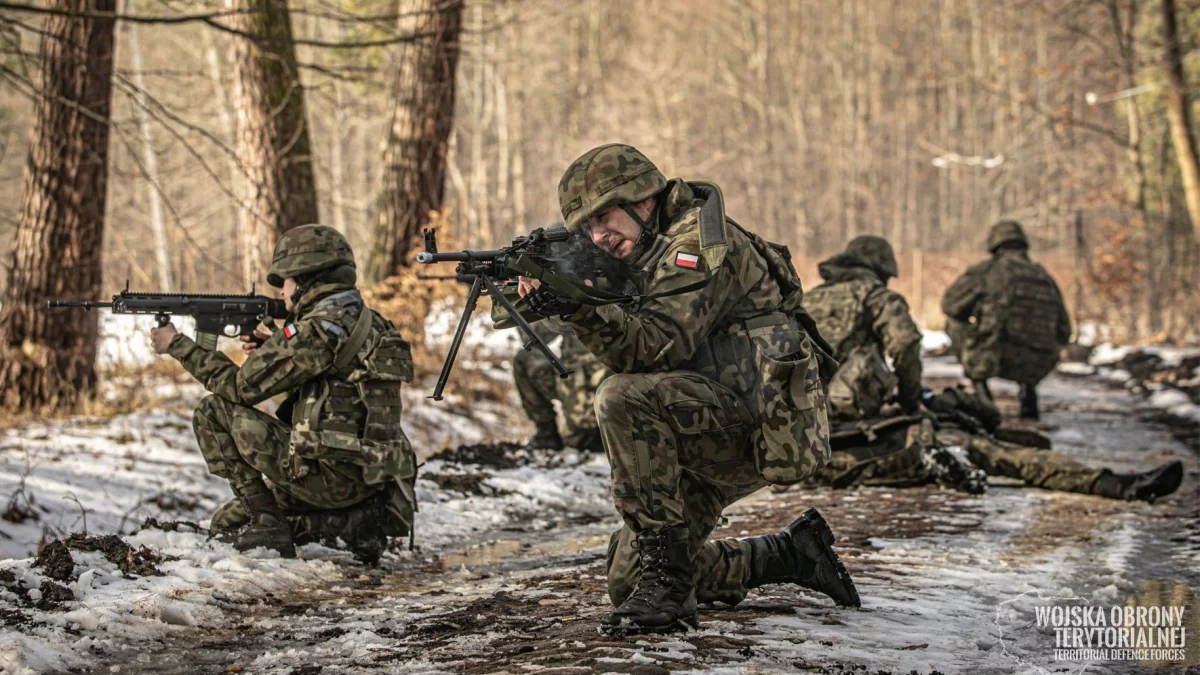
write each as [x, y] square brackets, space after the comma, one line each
[351, 413]
[1026, 303]
[839, 308]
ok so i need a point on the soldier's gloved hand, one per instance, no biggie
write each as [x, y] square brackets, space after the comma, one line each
[545, 301]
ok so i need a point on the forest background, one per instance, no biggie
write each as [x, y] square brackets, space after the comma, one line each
[924, 122]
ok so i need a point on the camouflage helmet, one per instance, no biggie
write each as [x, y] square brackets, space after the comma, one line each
[878, 252]
[305, 249]
[1006, 232]
[606, 176]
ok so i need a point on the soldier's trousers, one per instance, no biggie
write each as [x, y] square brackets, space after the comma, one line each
[1037, 467]
[536, 380]
[680, 453]
[243, 444]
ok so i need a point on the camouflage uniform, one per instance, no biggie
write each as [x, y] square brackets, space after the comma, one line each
[539, 386]
[716, 391]
[535, 378]
[337, 442]
[864, 321]
[897, 451]
[1010, 313]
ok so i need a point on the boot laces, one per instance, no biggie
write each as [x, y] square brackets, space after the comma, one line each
[652, 551]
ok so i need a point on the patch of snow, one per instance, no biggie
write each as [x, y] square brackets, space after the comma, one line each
[1075, 368]
[934, 340]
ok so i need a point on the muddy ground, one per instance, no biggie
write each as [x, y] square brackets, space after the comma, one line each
[946, 580]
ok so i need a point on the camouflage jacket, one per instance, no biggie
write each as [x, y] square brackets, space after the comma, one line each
[855, 309]
[348, 413]
[1010, 316]
[693, 330]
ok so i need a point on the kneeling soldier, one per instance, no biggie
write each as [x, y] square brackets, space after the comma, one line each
[336, 460]
[716, 392]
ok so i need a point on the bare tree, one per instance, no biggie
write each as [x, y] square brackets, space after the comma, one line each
[49, 361]
[278, 191]
[415, 155]
[1179, 112]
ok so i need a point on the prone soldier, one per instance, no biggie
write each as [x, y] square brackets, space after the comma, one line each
[335, 462]
[863, 320]
[1007, 317]
[716, 392]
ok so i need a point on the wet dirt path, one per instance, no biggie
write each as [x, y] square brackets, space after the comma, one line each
[937, 571]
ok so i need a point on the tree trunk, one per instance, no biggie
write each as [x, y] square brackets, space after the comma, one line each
[48, 359]
[278, 188]
[415, 156]
[1179, 114]
[162, 252]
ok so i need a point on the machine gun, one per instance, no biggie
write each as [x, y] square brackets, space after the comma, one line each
[485, 268]
[215, 314]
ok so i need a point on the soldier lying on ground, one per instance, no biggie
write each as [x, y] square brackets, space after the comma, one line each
[538, 387]
[1006, 317]
[336, 462]
[958, 443]
[716, 392]
[864, 321]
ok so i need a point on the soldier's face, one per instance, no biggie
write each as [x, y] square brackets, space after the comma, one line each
[288, 290]
[615, 232]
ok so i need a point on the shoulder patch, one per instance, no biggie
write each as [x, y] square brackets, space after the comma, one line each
[687, 260]
[290, 331]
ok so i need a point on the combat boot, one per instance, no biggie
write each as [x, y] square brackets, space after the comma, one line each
[802, 554]
[1029, 402]
[665, 597]
[360, 527]
[1145, 486]
[545, 437]
[982, 391]
[267, 526]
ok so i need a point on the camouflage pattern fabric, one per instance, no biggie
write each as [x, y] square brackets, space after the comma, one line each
[679, 445]
[577, 392]
[890, 461]
[307, 249]
[606, 176]
[243, 444]
[1011, 317]
[535, 378]
[716, 393]
[1036, 467]
[539, 386]
[864, 321]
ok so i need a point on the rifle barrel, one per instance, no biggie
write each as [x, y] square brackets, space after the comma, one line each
[427, 258]
[86, 304]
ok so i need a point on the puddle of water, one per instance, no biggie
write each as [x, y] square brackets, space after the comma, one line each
[501, 550]
[1174, 593]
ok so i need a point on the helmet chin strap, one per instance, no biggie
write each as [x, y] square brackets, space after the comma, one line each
[646, 236]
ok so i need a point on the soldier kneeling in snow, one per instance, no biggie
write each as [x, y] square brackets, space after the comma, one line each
[335, 462]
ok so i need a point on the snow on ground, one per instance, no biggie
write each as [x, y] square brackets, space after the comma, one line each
[934, 340]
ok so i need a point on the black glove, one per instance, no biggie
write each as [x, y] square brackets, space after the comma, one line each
[546, 302]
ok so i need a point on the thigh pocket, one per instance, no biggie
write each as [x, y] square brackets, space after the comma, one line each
[791, 440]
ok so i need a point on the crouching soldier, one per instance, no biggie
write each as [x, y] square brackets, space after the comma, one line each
[716, 392]
[1007, 318]
[335, 461]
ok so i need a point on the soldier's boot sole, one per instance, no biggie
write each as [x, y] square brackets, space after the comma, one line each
[812, 521]
[1158, 482]
[626, 626]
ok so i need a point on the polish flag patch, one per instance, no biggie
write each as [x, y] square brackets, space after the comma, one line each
[687, 260]
[289, 331]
